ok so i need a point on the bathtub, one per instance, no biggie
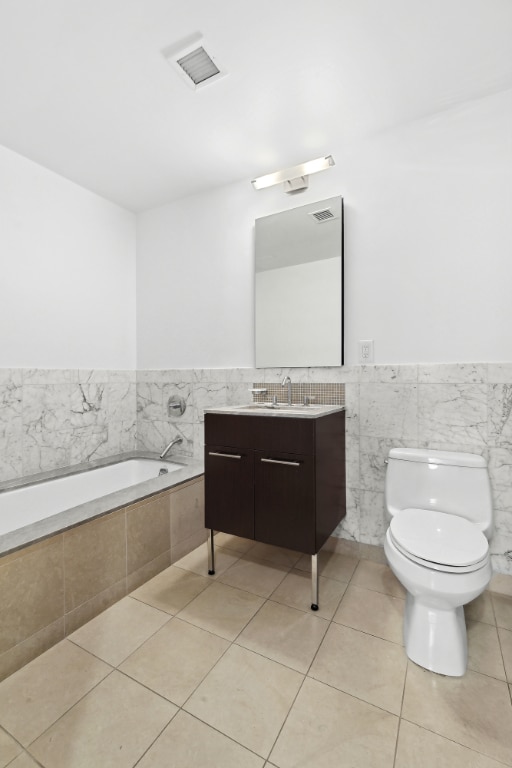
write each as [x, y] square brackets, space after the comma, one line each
[75, 541]
[35, 507]
[29, 504]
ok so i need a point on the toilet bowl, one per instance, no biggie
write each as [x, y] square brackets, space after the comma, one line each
[437, 547]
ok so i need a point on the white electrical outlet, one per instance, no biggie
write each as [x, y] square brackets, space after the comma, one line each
[365, 351]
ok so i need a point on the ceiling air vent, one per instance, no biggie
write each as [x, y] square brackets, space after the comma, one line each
[323, 215]
[198, 66]
[192, 62]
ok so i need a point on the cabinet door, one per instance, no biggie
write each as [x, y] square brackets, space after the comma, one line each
[285, 500]
[229, 490]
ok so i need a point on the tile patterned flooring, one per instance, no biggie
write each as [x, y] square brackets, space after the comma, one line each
[235, 671]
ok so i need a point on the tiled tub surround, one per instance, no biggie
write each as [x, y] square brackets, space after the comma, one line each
[50, 588]
[57, 418]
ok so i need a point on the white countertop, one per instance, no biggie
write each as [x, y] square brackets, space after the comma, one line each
[295, 411]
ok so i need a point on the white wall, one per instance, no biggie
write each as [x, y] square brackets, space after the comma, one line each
[428, 250]
[67, 273]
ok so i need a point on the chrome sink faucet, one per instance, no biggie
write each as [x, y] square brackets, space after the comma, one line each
[288, 381]
[166, 450]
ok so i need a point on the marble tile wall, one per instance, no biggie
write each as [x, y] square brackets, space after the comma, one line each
[464, 407]
[54, 418]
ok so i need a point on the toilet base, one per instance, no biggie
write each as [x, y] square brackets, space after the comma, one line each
[435, 638]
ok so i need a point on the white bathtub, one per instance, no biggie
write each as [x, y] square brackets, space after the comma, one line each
[30, 504]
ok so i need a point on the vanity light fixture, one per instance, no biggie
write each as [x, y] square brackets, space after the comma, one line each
[294, 179]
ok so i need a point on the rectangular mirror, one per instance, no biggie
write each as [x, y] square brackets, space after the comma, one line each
[299, 286]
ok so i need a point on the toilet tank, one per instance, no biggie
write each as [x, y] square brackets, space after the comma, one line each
[446, 481]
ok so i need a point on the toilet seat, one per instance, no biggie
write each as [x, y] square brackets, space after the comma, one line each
[438, 540]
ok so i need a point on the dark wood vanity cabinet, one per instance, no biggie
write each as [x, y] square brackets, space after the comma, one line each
[278, 480]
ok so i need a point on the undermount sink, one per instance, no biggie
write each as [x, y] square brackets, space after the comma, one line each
[282, 407]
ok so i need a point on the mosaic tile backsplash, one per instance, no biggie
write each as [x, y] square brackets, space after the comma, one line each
[55, 418]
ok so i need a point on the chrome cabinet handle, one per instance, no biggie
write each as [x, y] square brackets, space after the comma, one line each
[278, 461]
[224, 455]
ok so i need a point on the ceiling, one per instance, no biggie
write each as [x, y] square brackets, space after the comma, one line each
[86, 91]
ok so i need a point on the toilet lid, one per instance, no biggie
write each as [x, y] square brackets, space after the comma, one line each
[439, 538]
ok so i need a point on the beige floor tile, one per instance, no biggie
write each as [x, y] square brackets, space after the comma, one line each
[378, 577]
[59, 678]
[505, 637]
[24, 761]
[284, 634]
[197, 561]
[9, 748]
[332, 565]
[418, 748]
[372, 612]
[295, 591]
[258, 576]
[328, 728]
[189, 743]
[222, 610]
[175, 660]
[362, 665]
[502, 610]
[474, 710]
[246, 697]
[480, 609]
[484, 653]
[118, 631]
[228, 541]
[277, 555]
[172, 589]
[112, 726]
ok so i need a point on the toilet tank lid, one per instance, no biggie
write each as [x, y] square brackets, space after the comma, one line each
[428, 456]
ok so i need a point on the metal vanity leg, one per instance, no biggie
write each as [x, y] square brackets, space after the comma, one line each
[211, 554]
[314, 582]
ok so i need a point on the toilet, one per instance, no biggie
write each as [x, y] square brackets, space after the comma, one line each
[439, 508]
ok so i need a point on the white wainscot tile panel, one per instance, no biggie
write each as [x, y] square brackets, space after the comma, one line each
[352, 461]
[501, 542]
[209, 395]
[43, 376]
[373, 454]
[452, 415]
[453, 373]
[372, 522]
[46, 450]
[349, 526]
[239, 393]
[46, 408]
[389, 410]
[242, 376]
[150, 400]
[500, 470]
[499, 373]
[500, 414]
[389, 374]
[90, 376]
[352, 420]
[11, 464]
[88, 405]
[121, 401]
[88, 443]
[276, 375]
[198, 437]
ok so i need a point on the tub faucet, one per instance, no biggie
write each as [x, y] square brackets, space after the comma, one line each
[174, 441]
[288, 381]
